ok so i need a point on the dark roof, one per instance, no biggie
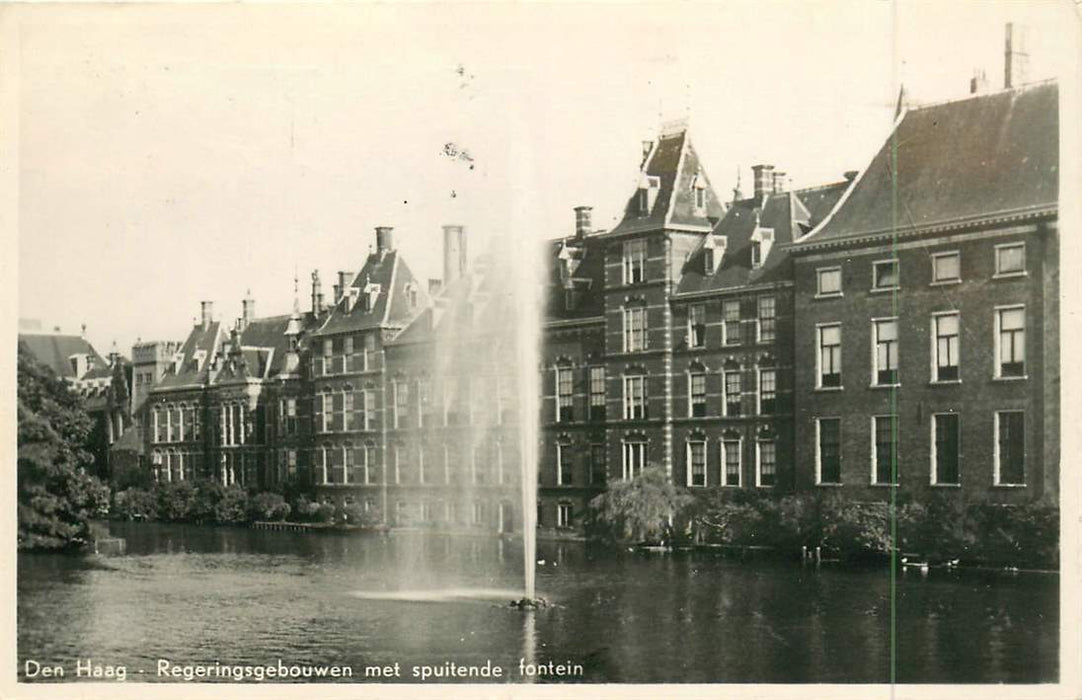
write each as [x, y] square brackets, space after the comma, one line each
[189, 373]
[53, 351]
[984, 156]
[131, 440]
[674, 162]
[391, 307]
[579, 265]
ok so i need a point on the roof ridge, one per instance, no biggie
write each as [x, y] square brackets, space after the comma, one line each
[979, 95]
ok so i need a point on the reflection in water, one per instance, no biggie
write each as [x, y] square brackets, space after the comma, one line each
[250, 597]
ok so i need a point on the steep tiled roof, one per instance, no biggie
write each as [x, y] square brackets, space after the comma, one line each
[391, 307]
[985, 156]
[130, 441]
[189, 373]
[578, 265]
[675, 164]
[53, 351]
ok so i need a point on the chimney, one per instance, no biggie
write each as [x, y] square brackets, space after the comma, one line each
[779, 181]
[434, 287]
[454, 253]
[850, 175]
[344, 278]
[384, 239]
[764, 180]
[207, 313]
[979, 81]
[247, 313]
[317, 293]
[83, 333]
[582, 221]
[647, 146]
[1015, 58]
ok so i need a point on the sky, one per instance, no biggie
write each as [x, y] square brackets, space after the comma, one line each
[169, 154]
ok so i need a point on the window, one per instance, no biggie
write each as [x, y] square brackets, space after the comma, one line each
[697, 389]
[1010, 448]
[732, 393]
[401, 404]
[157, 425]
[597, 393]
[634, 458]
[634, 261]
[563, 465]
[1010, 259]
[767, 320]
[885, 450]
[642, 200]
[946, 267]
[767, 392]
[563, 515]
[730, 472]
[565, 410]
[830, 356]
[598, 463]
[634, 397]
[1011, 349]
[886, 351]
[634, 329]
[731, 317]
[696, 461]
[885, 274]
[945, 347]
[946, 453]
[697, 325]
[700, 194]
[829, 462]
[828, 281]
[767, 466]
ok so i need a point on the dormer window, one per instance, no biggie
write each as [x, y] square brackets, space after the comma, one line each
[708, 261]
[411, 295]
[698, 191]
[756, 254]
[647, 194]
[368, 298]
[761, 242]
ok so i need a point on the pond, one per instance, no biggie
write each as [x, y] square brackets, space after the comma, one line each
[205, 596]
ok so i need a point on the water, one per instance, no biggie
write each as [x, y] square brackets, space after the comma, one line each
[199, 594]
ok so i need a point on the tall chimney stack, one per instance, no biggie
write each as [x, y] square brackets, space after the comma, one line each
[763, 180]
[340, 289]
[317, 293]
[247, 310]
[1015, 58]
[207, 312]
[979, 81]
[583, 223]
[779, 181]
[384, 239]
[454, 254]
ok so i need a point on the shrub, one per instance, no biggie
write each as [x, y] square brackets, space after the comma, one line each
[1019, 535]
[134, 503]
[323, 513]
[176, 500]
[268, 506]
[232, 507]
[638, 510]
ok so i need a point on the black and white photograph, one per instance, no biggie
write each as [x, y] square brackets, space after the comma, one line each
[411, 348]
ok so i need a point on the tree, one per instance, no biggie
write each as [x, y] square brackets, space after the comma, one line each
[641, 509]
[56, 495]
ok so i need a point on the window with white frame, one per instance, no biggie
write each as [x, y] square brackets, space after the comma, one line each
[563, 515]
[885, 333]
[635, 329]
[767, 463]
[565, 410]
[828, 281]
[756, 255]
[635, 397]
[730, 462]
[597, 393]
[829, 373]
[829, 454]
[767, 320]
[1010, 457]
[696, 462]
[422, 473]
[884, 449]
[598, 463]
[697, 392]
[945, 329]
[697, 325]
[1011, 348]
[733, 392]
[946, 267]
[767, 391]
[401, 404]
[730, 312]
[634, 458]
[564, 475]
[946, 449]
[1010, 259]
[885, 274]
[634, 261]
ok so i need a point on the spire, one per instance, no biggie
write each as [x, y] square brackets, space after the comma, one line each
[901, 106]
